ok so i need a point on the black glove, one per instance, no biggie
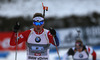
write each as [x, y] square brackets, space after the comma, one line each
[52, 31]
[16, 27]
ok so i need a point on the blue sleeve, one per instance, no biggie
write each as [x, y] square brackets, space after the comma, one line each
[56, 40]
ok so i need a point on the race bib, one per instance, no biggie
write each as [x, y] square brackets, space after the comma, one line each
[38, 49]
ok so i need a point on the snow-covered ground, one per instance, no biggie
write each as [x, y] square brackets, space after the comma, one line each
[53, 56]
[56, 7]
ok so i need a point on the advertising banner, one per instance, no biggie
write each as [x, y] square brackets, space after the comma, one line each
[5, 42]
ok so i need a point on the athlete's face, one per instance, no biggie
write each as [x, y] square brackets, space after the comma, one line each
[78, 46]
[38, 25]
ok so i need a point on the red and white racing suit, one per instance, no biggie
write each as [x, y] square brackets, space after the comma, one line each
[37, 43]
[83, 55]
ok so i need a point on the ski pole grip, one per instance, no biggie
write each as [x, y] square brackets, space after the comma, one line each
[16, 27]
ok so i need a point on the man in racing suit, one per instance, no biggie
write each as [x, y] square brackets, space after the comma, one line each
[37, 39]
[80, 52]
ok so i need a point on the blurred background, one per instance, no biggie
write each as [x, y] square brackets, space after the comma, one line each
[66, 16]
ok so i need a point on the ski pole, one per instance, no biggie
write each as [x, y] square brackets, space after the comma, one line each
[18, 25]
[16, 46]
[44, 8]
[56, 48]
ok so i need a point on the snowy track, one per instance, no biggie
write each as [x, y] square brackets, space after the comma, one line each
[53, 56]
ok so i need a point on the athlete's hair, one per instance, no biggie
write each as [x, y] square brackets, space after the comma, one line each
[38, 15]
[80, 41]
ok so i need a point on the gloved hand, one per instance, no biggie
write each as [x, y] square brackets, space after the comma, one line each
[52, 31]
[16, 27]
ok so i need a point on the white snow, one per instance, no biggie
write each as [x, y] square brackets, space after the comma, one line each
[53, 56]
[57, 8]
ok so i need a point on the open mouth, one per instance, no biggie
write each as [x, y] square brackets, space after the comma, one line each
[38, 28]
